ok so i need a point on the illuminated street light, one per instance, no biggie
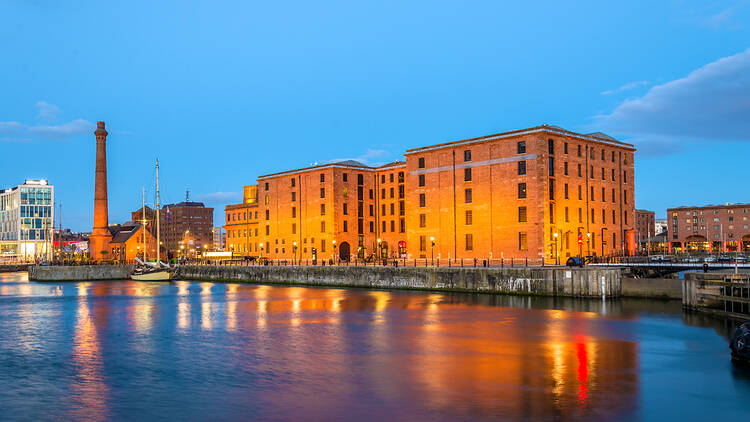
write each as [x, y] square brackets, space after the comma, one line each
[432, 249]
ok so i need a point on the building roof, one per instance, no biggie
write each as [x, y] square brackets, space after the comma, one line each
[596, 137]
[185, 204]
[397, 163]
[711, 206]
[344, 164]
[124, 232]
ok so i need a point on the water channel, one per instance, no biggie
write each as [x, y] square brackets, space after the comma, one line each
[209, 351]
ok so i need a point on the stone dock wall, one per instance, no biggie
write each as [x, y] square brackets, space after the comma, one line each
[10, 268]
[573, 282]
[79, 272]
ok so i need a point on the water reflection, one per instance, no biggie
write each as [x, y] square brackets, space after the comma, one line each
[89, 390]
[294, 353]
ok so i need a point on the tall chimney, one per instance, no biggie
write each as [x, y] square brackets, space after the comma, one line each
[100, 237]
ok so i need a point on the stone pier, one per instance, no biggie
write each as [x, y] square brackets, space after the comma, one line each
[572, 282]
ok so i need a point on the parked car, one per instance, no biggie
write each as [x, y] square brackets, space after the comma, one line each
[709, 259]
[739, 343]
[574, 261]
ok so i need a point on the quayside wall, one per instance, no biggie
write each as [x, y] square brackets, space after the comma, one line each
[10, 268]
[79, 272]
[573, 282]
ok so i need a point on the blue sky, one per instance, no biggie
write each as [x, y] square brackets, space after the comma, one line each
[222, 92]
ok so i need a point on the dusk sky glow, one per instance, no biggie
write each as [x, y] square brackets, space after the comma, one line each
[222, 92]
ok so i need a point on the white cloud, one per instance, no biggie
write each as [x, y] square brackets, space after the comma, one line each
[628, 86]
[712, 103]
[48, 111]
[13, 131]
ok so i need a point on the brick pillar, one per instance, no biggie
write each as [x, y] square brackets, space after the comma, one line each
[100, 237]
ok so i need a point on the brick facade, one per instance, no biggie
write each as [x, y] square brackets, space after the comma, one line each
[499, 196]
[711, 228]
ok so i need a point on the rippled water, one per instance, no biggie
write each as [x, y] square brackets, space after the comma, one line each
[207, 351]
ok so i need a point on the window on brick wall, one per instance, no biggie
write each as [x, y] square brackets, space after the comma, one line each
[422, 243]
[384, 227]
[521, 190]
[422, 200]
[566, 191]
[294, 212]
[522, 241]
[467, 196]
[420, 162]
[422, 220]
[401, 225]
[294, 196]
[565, 148]
[346, 226]
[322, 177]
[469, 217]
[521, 147]
[322, 209]
[346, 208]
[565, 168]
[551, 146]
[421, 180]
[567, 218]
[467, 175]
[580, 215]
[322, 192]
[551, 162]
[551, 189]
[469, 242]
[522, 214]
[521, 168]
[467, 155]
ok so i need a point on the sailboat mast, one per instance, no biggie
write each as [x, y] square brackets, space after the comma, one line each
[143, 220]
[158, 211]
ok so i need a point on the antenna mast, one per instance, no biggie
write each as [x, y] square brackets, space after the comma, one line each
[158, 211]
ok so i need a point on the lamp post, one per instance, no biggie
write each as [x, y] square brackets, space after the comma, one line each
[602, 241]
[432, 249]
[261, 251]
[294, 251]
[557, 254]
[333, 258]
[588, 243]
[377, 253]
[580, 241]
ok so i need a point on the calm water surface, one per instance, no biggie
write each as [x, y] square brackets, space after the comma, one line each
[206, 351]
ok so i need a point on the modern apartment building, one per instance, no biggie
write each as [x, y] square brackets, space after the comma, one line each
[27, 218]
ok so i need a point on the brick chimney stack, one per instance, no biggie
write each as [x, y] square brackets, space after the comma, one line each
[100, 237]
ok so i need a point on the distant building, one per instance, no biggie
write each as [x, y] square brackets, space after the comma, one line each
[709, 228]
[128, 242]
[644, 225]
[660, 225]
[241, 224]
[186, 227]
[27, 220]
[218, 239]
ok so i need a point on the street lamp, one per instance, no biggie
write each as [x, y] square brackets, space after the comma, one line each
[333, 258]
[261, 250]
[432, 250]
[588, 243]
[295, 252]
[557, 254]
[377, 253]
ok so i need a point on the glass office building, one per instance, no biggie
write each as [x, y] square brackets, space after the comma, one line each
[27, 220]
